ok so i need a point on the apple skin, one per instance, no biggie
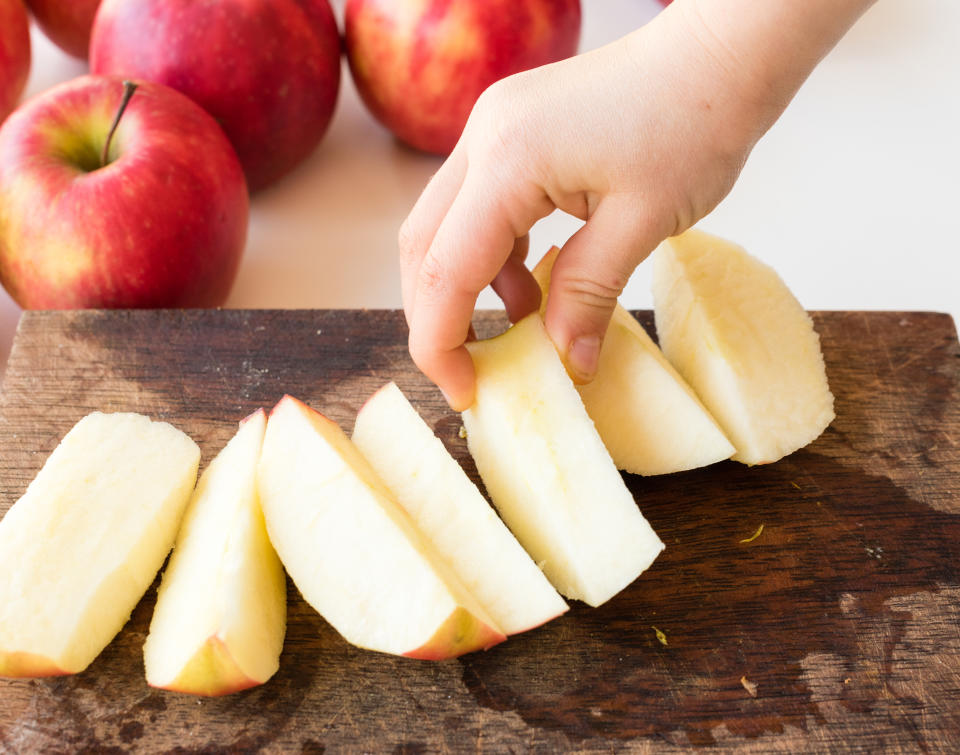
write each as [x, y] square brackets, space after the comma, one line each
[267, 70]
[460, 634]
[67, 23]
[162, 225]
[28, 665]
[14, 53]
[291, 522]
[420, 65]
[195, 679]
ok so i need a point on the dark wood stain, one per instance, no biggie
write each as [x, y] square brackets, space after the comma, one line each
[843, 612]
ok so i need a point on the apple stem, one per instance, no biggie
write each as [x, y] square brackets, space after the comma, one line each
[128, 89]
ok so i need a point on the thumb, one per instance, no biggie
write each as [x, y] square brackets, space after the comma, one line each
[589, 274]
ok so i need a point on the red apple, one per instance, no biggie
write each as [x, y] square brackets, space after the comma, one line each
[162, 224]
[14, 53]
[267, 70]
[420, 65]
[66, 22]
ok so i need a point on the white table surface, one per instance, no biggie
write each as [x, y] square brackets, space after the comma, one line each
[853, 196]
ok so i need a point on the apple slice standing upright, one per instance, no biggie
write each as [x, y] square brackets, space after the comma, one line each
[353, 553]
[547, 471]
[650, 420]
[733, 329]
[449, 509]
[220, 617]
[85, 541]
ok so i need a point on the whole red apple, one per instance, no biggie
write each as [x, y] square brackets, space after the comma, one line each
[161, 223]
[420, 66]
[14, 53]
[267, 70]
[66, 22]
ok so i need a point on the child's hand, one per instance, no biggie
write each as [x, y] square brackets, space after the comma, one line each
[640, 139]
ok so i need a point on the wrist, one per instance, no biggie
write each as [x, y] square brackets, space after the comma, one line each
[768, 49]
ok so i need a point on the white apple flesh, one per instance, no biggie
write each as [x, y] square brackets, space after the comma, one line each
[736, 333]
[353, 553]
[85, 541]
[650, 420]
[220, 617]
[547, 471]
[449, 509]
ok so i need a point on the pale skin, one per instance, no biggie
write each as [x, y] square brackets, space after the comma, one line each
[640, 139]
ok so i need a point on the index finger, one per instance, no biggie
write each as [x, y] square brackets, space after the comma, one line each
[419, 228]
[471, 245]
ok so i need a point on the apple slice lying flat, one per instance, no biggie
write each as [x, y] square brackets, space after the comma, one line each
[85, 541]
[733, 329]
[354, 554]
[220, 617]
[447, 507]
[548, 472]
[650, 420]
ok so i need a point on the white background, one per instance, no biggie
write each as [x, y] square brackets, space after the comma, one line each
[853, 196]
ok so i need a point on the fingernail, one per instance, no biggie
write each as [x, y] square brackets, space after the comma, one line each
[583, 357]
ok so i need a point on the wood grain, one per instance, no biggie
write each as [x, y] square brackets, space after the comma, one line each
[835, 629]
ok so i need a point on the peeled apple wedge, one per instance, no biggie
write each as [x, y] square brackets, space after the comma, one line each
[547, 471]
[650, 420]
[736, 333]
[220, 617]
[353, 553]
[449, 509]
[83, 544]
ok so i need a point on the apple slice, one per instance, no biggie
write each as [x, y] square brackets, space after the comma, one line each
[85, 541]
[354, 554]
[548, 472]
[225, 576]
[733, 329]
[447, 507]
[650, 420]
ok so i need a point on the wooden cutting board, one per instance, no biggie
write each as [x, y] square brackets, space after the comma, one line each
[837, 627]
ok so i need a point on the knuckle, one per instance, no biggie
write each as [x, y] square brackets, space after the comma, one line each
[595, 294]
[499, 129]
[407, 242]
[432, 279]
[492, 100]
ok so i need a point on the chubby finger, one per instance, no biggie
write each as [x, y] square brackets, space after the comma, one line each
[474, 240]
[589, 275]
[419, 228]
[515, 284]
